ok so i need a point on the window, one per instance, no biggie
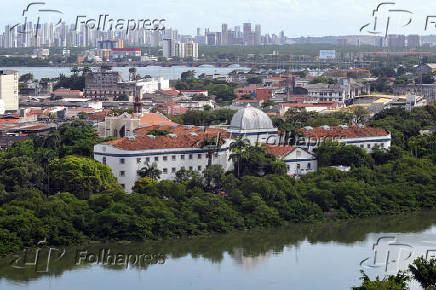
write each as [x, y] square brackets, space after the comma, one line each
[122, 161]
[147, 159]
[190, 168]
[123, 185]
[156, 158]
[199, 168]
[173, 170]
[174, 157]
[216, 155]
[309, 166]
[182, 157]
[289, 167]
[298, 166]
[165, 158]
[138, 160]
[190, 156]
[199, 156]
[382, 145]
[104, 160]
[165, 171]
[361, 146]
[122, 173]
[368, 146]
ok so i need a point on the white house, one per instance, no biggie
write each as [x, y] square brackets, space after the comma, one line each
[298, 160]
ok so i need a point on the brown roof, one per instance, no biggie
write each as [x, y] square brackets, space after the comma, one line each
[173, 93]
[151, 119]
[183, 138]
[344, 132]
[279, 151]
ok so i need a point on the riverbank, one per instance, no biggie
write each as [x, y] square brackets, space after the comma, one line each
[253, 259]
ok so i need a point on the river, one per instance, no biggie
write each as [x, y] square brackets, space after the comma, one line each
[305, 256]
[171, 73]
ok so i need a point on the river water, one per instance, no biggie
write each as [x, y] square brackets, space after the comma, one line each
[307, 256]
[171, 73]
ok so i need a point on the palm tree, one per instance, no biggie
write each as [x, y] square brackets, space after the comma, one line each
[239, 152]
[213, 144]
[279, 167]
[150, 171]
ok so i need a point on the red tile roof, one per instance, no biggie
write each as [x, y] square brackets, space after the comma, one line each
[173, 93]
[184, 138]
[151, 119]
[279, 151]
[35, 127]
[338, 132]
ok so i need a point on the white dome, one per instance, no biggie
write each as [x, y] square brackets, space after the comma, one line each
[250, 118]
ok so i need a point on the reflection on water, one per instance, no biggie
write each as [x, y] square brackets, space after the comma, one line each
[261, 259]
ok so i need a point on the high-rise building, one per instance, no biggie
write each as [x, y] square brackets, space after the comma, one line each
[179, 49]
[258, 34]
[9, 89]
[396, 41]
[413, 41]
[168, 46]
[224, 34]
[191, 50]
[247, 33]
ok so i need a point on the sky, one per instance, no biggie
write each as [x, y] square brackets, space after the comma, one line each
[295, 17]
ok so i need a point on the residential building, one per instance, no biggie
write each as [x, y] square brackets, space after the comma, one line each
[298, 160]
[8, 90]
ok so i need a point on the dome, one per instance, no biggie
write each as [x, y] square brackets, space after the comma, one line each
[250, 118]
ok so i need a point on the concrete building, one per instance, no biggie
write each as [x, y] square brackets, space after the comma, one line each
[9, 90]
[252, 124]
[181, 149]
[298, 160]
[108, 85]
[364, 137]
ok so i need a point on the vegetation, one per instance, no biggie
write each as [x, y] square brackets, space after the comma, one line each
[50, 187]
[205, 118]
[222, 91]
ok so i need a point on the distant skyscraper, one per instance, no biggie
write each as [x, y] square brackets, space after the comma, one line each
[168, 48]
[258, 34]
[224, 35]
[413, 41]
[396, 41]
[247, 33]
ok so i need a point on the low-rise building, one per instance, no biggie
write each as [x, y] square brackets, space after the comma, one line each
[298, 161]
[364, 137]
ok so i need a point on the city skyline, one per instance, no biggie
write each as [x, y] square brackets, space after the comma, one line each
[295, 18]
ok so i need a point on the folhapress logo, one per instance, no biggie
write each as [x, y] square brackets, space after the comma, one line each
[38, 12]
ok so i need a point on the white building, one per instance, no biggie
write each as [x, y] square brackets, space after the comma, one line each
[298, 161]
[364, 137]
[181, 149]
[252, 124]
[9, 89]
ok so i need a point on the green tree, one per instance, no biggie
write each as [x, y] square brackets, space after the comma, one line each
[424, 272]
[80, 176]
[151, 171]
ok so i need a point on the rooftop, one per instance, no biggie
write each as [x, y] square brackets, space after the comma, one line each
[336, 132]
[181, 137]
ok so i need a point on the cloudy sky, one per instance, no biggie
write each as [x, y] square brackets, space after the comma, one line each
[295, 17]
